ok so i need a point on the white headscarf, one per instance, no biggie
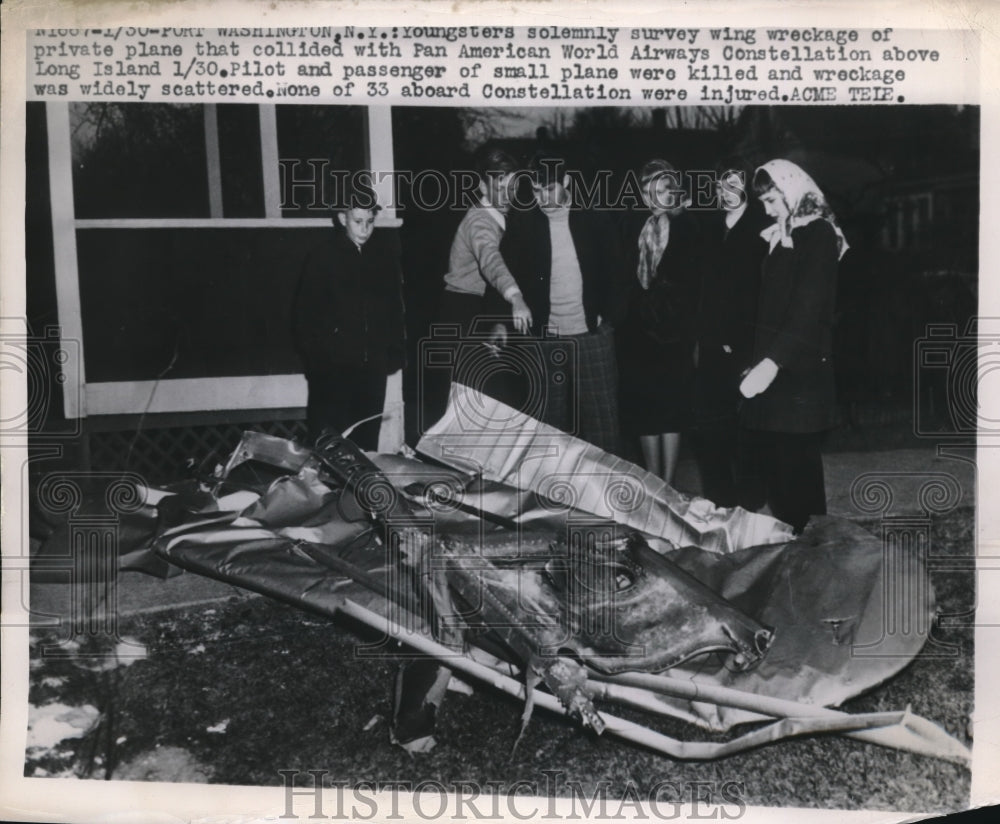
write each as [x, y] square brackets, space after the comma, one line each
[805, 204]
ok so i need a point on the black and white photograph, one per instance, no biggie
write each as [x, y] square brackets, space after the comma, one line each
[496, 421]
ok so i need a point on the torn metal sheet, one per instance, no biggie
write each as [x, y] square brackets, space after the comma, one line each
[483, 436]
[491, 546]
[582, 606]
[827, 592]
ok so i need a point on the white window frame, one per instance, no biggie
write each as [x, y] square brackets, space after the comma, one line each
[82, 399]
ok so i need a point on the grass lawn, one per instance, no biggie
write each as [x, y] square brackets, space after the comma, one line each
[236, 692]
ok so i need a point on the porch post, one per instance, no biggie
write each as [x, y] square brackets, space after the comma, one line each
[382, 165]
[57, 127]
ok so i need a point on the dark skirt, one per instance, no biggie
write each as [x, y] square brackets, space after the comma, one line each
[655, 393]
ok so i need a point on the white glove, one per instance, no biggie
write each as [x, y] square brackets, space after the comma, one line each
[759, 378]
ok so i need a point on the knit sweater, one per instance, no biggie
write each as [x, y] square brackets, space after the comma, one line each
[566, 315]
[475, 259]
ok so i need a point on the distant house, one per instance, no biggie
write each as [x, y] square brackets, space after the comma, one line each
[935, 219]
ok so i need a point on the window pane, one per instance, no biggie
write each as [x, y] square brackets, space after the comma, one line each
[892, 223]
[138, 160]
[314, 142]
[239, 154]
[190, 303]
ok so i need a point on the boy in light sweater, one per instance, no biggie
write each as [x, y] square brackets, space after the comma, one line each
[475, 261]
[474, 265]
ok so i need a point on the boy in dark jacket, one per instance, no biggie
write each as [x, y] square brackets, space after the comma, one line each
[348, 322]
[570, 270]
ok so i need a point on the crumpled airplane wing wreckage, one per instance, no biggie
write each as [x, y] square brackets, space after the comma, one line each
[532, 561]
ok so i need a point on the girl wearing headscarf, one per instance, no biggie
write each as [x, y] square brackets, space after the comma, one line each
[656, 340]
[789, 390]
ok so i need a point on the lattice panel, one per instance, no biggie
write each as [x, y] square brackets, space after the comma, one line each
[167, 454]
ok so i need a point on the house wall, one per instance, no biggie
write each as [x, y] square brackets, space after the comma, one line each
[178, 297]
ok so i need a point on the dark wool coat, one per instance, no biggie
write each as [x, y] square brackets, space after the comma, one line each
[795, 329]
[349, 307]
[527, 250]
[657, 336]
[727, 313]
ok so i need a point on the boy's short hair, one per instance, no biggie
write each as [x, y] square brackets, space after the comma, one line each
[356, 192]
[547, 169]
[494, 162]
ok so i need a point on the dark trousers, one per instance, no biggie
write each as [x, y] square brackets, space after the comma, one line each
[784, 470]
[342, 396]
[440, 359]
[721, 463]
